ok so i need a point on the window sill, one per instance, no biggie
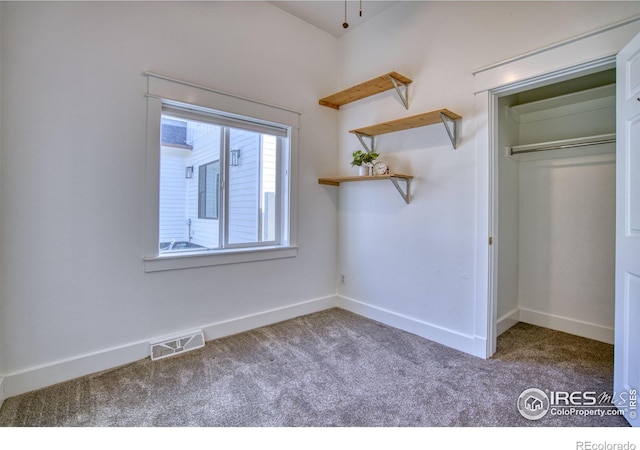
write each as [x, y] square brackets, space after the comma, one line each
[222, 257]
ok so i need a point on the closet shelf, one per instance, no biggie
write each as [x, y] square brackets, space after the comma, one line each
[563, 144]
[448, 118]
[395, 178]
[391, 80]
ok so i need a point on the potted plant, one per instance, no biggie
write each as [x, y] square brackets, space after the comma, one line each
[363, 160]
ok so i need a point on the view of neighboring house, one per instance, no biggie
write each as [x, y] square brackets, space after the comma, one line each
[191, 197]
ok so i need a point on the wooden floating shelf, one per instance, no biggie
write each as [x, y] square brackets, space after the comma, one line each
[335, 181]
[368, 88]
[420, 120]
[394, 177]
[449, 120]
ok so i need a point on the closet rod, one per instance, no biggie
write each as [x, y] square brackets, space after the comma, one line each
[561, 147]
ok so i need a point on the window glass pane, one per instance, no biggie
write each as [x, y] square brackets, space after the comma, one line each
[244, 189]
[213, 181]
[208, 190]
[268, 187]
[220, 182]
[173, 191]
[252, 188]
[186, 224]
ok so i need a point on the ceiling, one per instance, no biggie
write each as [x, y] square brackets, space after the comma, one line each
[329, 15]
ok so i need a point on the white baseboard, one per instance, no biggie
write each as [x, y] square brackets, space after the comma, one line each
[253, 321]
[39, 377]
[480, 348]
[450, 338]
[507, 321]
[567, 325]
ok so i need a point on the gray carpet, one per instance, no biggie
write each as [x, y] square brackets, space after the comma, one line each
[328, 369]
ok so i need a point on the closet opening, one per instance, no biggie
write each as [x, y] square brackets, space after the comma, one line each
[555, 214]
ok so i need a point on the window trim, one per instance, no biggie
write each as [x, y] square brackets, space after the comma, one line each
[164, 89]
[176, 261]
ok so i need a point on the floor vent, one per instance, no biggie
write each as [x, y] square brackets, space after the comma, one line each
[176, 345]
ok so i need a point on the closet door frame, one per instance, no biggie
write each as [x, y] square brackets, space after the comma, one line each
[589, 53]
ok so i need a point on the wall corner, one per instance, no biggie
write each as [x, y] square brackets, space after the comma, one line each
[2, 394]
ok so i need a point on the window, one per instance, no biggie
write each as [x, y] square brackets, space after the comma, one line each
[224, 182]
[248, 155]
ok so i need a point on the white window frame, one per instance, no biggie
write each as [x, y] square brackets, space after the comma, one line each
[162, 90]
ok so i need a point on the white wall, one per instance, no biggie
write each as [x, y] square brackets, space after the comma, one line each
[74, 285]
[567, 243]
[414, 265]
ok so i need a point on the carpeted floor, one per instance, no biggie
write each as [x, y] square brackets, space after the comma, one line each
[329, 369]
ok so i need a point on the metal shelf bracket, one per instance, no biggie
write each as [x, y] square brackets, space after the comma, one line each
[404, 96]
[406, 193]
[451, 125]
[368, 147]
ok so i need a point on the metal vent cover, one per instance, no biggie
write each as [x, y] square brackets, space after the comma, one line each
[175, 345]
